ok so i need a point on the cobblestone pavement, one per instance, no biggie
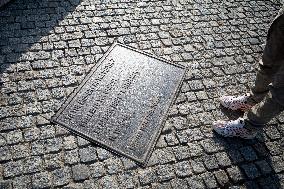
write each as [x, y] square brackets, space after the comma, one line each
[48, 46]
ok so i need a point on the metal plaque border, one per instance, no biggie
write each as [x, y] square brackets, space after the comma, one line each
[142, 162]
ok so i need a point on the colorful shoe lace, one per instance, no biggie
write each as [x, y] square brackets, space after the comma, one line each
[236, 103]
[235, 128]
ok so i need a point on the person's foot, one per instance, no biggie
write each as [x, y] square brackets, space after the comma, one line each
[236, 103]
[235, 128]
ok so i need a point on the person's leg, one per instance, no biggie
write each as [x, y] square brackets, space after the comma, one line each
[263, 79]
[263, 112]
[271, 60]
[272, 70]
[268, 66]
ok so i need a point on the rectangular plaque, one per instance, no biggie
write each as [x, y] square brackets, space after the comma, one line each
[123, 101]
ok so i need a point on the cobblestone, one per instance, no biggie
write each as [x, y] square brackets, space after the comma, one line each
[52, 161]
[46, 49]
[20, 151]
[221, 177]
[80, 172]
[183, 169]
[88, 154]
[61, 176]
[14, 137]
[22, 182]
[32, 164]
[41, 180]
[197, 166]
[165, 172]
[223, 159]
[147, 176]
[97, 169]
[5, 153]
[235, 174]
[71, 157]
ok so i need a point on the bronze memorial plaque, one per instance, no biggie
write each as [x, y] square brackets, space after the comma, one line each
[123, 101]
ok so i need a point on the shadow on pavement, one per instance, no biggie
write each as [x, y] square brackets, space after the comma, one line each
[24, 23]
[254, 165]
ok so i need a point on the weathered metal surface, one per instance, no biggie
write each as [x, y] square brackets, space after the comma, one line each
[123, 101]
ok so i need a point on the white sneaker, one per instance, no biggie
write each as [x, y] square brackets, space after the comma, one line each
[236, 103]
[235, 128]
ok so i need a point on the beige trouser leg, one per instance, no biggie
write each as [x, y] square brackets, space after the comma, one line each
[268, 91]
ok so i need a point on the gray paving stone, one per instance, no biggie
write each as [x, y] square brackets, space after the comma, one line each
[127, 180]
[164, 155]
[12, 168]
[181, 152]
[32, 164]
[147, 176]
[128, 164]
[163, 185]
[195, 182]
[46, 131]
[182, 136]
[209, 180]
[14, 137]
[171, 139]
[235, 156]
[74, 186]
[97, 169]
[31, 134]
[113, 166]
[210, 146]
[8, 124]
[20, 151]
[103, 154]
[274, 147]
[221, 177]
[165, 172]
[235, 174]
[109, 182]
[52, 161]
[22, 182]
[277, 163]
[53, 144]
[195, 149]
[183, 169]
[61, 176]
[179, 183]
[71, 157]
[80, 172]
[210, 162]
[194, 134]
[6, 184]
[89, 184]
[268, 182]
[223, 159]
[197, 165]
[41, 180]
[69, 142]
[88, 154]
[5, 153]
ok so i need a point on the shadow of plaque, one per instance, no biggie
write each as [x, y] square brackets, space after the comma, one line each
[123, 101]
